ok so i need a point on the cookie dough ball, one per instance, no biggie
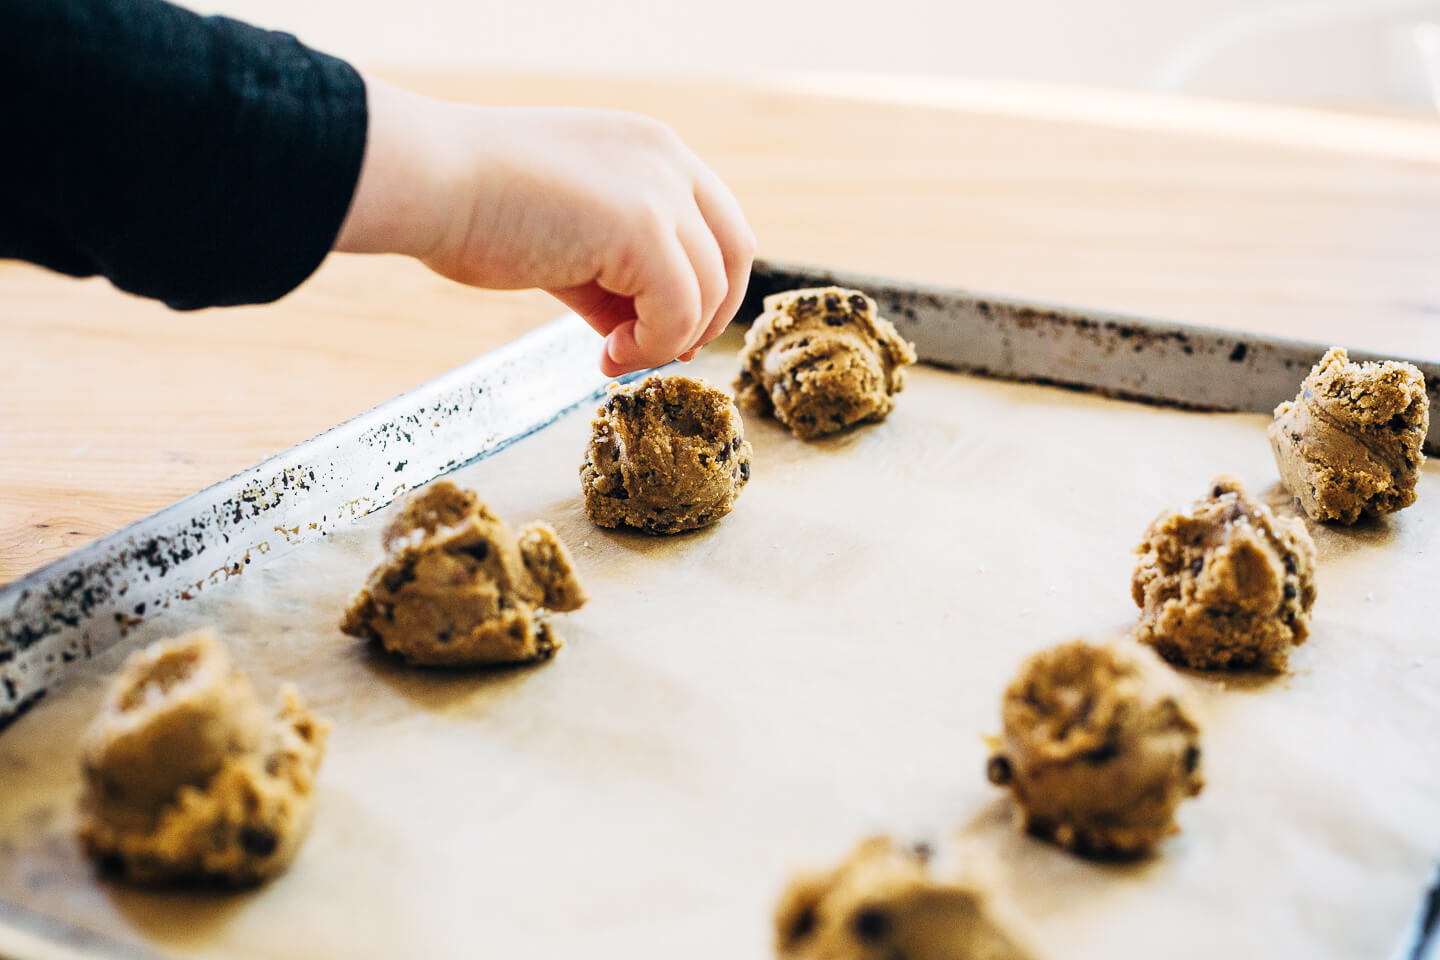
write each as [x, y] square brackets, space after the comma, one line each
[881, 903]
[1351, 442]
[1225, 583]
[667, 454]
[457, 587]
[187, 777]
[1097, 748]
[821, 361]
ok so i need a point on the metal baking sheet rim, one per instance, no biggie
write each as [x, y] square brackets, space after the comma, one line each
[85, 602]
[81, 604]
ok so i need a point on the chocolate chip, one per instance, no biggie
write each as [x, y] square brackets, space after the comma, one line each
[1290, 563]
[1100, 755]
[1192, 759]
[1197, 565]
[857, 303]
[735, 444]
[832, 301]
[803, 344]
[1289, 591]
[477, 551]
[834, 321]
[618, 404]
[724, 453]
[1398, 422]
[257, 841]
[1218, 492]
[393, 580]
[617, 492]
[871, 925]
[111, 864]
[442, 636]
[998, 770]
[802, 926]
[745, 471]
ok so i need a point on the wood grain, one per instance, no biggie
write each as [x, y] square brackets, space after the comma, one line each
[1315, 226]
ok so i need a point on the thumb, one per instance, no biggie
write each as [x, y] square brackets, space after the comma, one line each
[598, 307]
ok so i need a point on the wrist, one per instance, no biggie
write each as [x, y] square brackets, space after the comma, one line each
[404, 197]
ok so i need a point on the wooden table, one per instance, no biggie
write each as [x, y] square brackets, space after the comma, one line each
[1269, 218]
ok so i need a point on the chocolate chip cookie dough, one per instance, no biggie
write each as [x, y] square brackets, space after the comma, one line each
[1097, 748]
[188, 776]
[1225, 583]
[821, 361]
[880, 904]
[1350, 443]
[458, 588]
[665, 455]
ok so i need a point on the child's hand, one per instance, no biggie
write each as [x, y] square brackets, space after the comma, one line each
[609, 212]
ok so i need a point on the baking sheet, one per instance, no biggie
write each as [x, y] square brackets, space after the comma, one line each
[747, 699]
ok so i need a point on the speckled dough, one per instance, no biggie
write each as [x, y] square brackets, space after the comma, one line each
[1097, 748]
[1351, 442]
[665, 455]
[458, 588]
[821, 361]
[1225, 583]
[188, 777]
[882, 904]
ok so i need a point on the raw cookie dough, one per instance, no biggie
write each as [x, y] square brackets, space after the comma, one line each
[187, 776]
[1097, 748]
[667, 454]
[457, 587]
[1225, 583]
[881, 904]
[1351, 442]
[821, 361]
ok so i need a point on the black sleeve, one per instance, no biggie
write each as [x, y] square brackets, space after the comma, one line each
[195, 160]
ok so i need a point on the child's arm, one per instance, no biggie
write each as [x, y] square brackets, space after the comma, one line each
[203, 162]
[609, 212]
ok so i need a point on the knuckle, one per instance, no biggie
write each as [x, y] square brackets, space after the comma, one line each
[658, 132]
[627, 263]
[747, 245]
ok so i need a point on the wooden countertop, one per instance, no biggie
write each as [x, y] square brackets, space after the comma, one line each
[1270, 218]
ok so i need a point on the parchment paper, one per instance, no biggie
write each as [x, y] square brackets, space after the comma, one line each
[752, 698]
